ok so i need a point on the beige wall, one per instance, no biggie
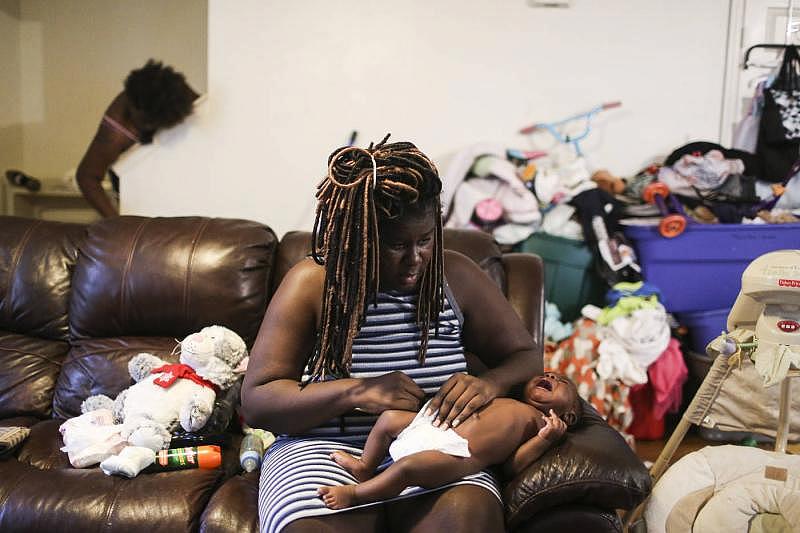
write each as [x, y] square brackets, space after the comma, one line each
[10, 98]
[74, 56]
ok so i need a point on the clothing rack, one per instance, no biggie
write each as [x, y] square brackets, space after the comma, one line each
[791, 27]
[762, 45]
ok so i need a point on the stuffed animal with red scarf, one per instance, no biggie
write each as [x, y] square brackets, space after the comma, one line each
[167, 395]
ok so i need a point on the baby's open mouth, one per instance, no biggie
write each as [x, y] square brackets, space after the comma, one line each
[545, 384]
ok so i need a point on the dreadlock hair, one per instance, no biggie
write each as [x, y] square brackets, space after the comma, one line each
[160, 93]
[363, 188]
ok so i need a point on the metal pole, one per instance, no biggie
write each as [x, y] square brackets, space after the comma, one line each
[783, 417]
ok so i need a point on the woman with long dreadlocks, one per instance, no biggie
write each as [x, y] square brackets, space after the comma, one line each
[380, 317]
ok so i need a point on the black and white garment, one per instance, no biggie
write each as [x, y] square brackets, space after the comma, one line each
[778, 144]
[295, 467]
[788, 104]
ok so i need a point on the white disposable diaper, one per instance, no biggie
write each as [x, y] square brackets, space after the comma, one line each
[421, 435]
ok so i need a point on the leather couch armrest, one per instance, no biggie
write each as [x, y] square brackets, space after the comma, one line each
[525, 291]
[573, 518]
[592, 466]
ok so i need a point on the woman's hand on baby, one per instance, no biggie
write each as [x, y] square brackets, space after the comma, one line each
[459, 397]
[553, 429]
[394, 390]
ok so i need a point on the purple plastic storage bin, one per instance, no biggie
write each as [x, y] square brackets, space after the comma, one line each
[704, 326]
[701, 269]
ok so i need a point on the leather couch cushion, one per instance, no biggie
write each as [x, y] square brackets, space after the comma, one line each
[100, 366]
[22, 421]
[48, 494]
[171, 277]
[234, 506]
[295, 245]
[481, 248]
[36, 262]
[592, 466]
[29, 368]
[42, 448]
[71, 499]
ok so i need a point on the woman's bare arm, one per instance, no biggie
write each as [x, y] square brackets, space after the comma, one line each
[271, 393]
[494, 333]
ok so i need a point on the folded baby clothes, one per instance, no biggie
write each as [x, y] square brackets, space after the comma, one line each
[421, 435]
[91, 437]
[625, 306]
[129, 462]
[644, 334]
[631, 288]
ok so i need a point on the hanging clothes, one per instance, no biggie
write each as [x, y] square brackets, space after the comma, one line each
[779, 128]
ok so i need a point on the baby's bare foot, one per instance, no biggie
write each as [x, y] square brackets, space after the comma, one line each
[352, 465]
[338, 497]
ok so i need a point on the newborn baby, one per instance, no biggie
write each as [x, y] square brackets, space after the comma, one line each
[503, 431]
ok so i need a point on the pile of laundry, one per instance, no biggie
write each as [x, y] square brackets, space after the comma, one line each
[623, 359]
[713, 184]
[513, 194]
[482, 189]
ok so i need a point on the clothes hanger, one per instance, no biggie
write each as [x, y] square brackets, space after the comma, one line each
[792, 26]
[771, 46]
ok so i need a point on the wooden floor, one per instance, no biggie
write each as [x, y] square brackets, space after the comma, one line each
[648, 450]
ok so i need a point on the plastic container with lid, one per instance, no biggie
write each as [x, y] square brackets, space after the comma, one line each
[701, 269]
[570, 280]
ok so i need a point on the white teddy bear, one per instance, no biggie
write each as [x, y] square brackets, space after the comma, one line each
[166, 395]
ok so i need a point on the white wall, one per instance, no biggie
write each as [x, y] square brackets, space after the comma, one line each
[288, 81]
[74, 56]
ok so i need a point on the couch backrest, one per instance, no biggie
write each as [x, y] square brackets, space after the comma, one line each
[141, 276]
[37, 258]
[36, 263]
[141, 284]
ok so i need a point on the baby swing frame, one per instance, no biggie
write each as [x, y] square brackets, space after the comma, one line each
[739, 343]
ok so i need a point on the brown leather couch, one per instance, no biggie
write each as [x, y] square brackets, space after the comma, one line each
[77, 302]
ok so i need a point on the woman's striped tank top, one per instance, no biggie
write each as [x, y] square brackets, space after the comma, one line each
[295, 467]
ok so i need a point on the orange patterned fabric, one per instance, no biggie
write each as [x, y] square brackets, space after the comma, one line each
[576, 358]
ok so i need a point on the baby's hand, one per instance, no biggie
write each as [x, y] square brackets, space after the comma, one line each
[553, 427]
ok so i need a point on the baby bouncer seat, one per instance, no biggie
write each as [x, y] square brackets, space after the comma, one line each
[748, 388]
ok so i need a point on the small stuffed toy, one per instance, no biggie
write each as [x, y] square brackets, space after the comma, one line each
[168, 395]
[608, 182]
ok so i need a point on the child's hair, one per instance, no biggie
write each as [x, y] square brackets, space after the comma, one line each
[363, 188]
[577, 408]
[160, 93]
